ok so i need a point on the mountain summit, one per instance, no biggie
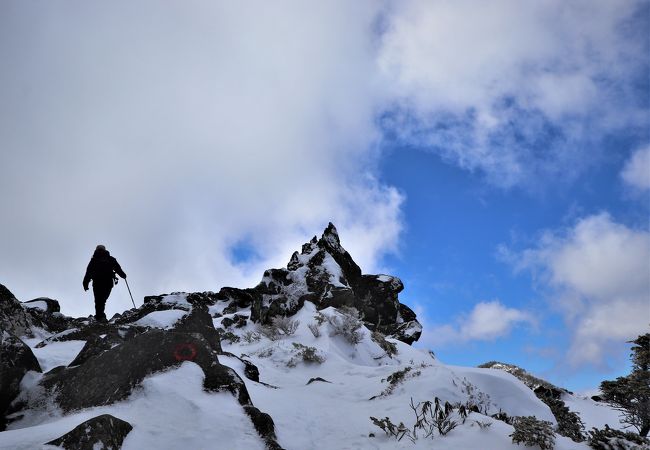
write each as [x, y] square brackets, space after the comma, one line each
[325, 274]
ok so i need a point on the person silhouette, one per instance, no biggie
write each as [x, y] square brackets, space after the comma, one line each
[102, 270]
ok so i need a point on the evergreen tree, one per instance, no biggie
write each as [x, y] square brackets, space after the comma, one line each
[631, 394]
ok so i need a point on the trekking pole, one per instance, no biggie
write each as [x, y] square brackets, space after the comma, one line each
[127, 286]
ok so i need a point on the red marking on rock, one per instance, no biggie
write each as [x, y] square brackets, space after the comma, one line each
[185, 352]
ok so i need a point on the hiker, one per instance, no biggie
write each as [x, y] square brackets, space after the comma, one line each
[101, 270]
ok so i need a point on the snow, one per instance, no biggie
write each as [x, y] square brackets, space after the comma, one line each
[593, 413]
[36, 305]
[179, 300]
[337, 414]
[57, 354]
[334, 271]
[170, 410]
[161, 319]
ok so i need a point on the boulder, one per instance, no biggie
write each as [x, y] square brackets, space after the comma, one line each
[16, 359]
[110, 376]
[103, 432]
[199, 321]
[238, 320]
[13, 317]
[264, 426]
[45, 304]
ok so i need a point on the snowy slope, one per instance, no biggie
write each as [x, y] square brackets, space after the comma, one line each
[172, 411]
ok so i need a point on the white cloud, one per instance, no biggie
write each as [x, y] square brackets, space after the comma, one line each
[173, 132]
[514, 89]
[636, 172]
[487, 321]
[599, 273]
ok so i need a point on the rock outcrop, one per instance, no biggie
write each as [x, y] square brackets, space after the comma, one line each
[116, 358]
[13, 317]
[103, 432]
[17, 359]
[325, 274]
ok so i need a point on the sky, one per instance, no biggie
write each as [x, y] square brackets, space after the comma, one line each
[495, 157]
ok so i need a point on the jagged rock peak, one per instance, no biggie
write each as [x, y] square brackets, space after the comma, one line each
[325, 274]
[331, 236]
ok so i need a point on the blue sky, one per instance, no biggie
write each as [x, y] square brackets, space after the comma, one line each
[450, 259]
[495, 157]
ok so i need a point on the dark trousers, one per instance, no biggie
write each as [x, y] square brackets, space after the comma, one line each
[101, 291]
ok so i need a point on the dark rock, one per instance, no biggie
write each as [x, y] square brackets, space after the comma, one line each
[46, 313]
[597, 398]
[13, 317]
[264, 426]
[199, 321]
[151, 303]
[311, 380]
[103, 432]
[545, 391]
[16, 359]
[153, 298]
[241, 298]
[203, 299]
[51, 305]
[89, 330]
[111, 375]
[99, 343]
[251, 371]
[238, 320]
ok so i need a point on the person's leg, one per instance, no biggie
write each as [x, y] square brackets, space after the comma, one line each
[101, 295]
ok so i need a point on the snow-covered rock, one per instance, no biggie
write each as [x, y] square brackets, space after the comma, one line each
[16, 360]
[99, 433]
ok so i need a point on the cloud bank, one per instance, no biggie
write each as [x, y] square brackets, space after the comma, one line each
[177, 133]
[487, 321]
[636, 172]
[518, 91]
[598, 275]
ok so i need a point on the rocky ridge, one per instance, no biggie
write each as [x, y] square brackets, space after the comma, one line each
[169, 329]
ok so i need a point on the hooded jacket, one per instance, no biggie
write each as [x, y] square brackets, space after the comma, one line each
[102, 269]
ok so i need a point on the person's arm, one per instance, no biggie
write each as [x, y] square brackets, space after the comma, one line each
[118, 270]
[88, 275]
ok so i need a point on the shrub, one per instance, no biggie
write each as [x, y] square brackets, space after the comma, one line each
[429, 418]
[477, 400]
[266, 353]
[483, 425]
[609, 439]
[531, 432]
[569, 423]
[631, 394]
[228, 336]
[396, 431]
[279, 326]
[269, 331]
[389, 347]
[395, 379]
[346, 325]
[285, 325]
[315, 330]
[251, 336]
[304, 354]
[320, 318]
